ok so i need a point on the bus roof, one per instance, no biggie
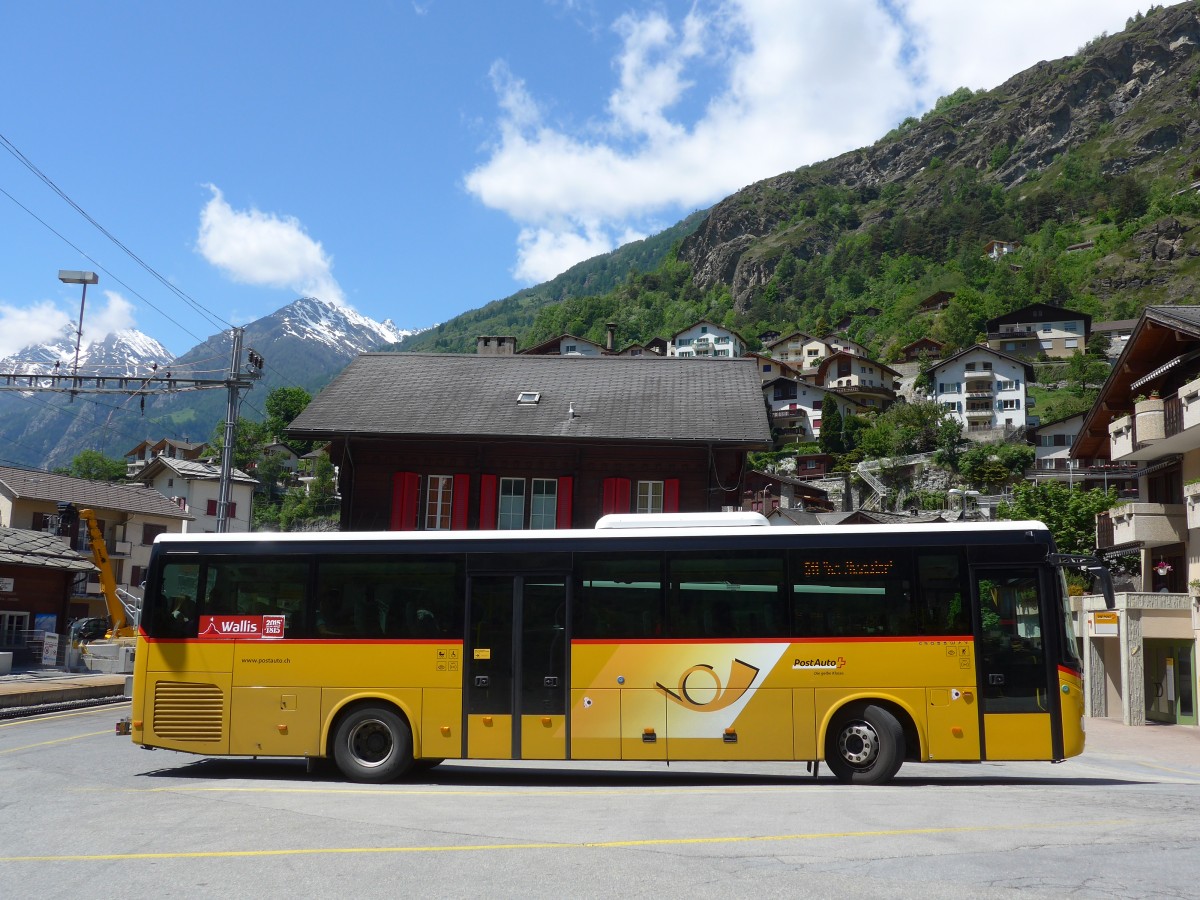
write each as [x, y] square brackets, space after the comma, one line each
[938, 533]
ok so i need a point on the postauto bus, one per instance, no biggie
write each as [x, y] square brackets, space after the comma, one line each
[700, 637]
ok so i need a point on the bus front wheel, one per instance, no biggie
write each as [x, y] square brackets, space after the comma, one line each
[865, 745]
[372, 744]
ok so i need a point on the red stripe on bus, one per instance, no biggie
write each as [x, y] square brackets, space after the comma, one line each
[275, 642]
[924, 639]
[1067, 670]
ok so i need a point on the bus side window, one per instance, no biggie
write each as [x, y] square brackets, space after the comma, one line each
[619, 596]
[940, 580]
[853, 593]
[726, 596]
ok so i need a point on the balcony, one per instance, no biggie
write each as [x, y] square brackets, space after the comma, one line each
[979, 413]
[1146, 524]
[1159, 427]
[1028, 335]
[789, 414]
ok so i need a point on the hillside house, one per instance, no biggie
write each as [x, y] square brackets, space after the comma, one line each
[868, 383]
[938, 300]
[769, 367]
[800, 349]
[137, 458]
[130, 516]
[1052, 442]
[997, 249]
[705, 339]
[1040, 329]
[839, 343]
[924, 348]
[443, 441]
[796, 406]
[985, 391]
[1143, 666]
[195, 487]
[566, 345]
[1118, 332]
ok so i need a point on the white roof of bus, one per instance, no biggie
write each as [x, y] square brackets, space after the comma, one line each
[601, 534]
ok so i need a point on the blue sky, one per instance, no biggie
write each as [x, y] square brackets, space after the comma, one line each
[418, 158]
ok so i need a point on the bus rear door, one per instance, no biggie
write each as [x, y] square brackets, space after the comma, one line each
[515, 672]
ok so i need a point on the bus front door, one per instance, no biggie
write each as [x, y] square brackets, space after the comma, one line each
[1018, 685]
[515, 673]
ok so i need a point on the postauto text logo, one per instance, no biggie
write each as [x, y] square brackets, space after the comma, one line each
[703, 679]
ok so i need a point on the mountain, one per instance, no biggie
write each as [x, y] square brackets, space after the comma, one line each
[304, 344]
[125, 352]
[518, 313]
[1091, 162]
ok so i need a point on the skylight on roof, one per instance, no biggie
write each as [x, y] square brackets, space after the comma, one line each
[528, 398]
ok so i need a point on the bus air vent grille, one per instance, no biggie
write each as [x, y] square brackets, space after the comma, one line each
[186, 711]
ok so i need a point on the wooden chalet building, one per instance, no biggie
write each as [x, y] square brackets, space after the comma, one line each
[446, 441]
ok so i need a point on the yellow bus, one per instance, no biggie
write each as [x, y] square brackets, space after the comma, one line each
[713, 639]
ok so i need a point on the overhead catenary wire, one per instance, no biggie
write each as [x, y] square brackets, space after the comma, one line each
[100, 265]
[154, 273]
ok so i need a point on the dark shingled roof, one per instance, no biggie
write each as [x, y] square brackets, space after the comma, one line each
[30, 484]
[615, 398]
[35, 548]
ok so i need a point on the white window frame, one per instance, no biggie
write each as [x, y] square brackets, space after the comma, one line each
[543, 504]
[439, 502]
[649, 497]
[510, 506]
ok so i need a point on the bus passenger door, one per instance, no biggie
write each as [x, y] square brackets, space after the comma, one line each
[1017, 681]
[516, 684]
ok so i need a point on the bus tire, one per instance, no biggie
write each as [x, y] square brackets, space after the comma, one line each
[864, 745]
[373, 744]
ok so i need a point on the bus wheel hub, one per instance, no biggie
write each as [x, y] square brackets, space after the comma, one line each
[858, 743]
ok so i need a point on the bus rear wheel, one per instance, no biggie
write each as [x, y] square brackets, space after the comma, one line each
[865, 745]
[372, 744]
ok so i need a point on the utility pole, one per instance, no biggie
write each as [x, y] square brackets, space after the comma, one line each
[234, 384]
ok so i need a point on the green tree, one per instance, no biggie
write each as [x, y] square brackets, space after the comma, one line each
[831, 428]
[283, 405]
[95, 466]
[1084, 371]
[248, 439]
[991, 466]
[1069, 512]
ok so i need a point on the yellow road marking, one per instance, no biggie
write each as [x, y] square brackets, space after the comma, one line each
[57, 741]
[558, 845]
[45, 717]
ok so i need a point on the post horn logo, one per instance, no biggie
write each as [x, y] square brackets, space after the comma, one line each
[741, 676]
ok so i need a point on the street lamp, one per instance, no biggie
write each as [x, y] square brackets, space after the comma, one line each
[70, 276]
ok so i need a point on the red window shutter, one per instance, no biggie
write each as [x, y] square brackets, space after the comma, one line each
[462, 502]
[616, 495]
[562, 518]
[487, 501]
[671, 495]
[211, 509]
[406, 488]
[232, 510]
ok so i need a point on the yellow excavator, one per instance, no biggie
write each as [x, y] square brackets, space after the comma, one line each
[114, 652]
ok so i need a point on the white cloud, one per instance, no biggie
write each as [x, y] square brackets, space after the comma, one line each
[35, 324]
[265, 249]
[546, 251]
[798, 82]
[99, 321]
[45, 321]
